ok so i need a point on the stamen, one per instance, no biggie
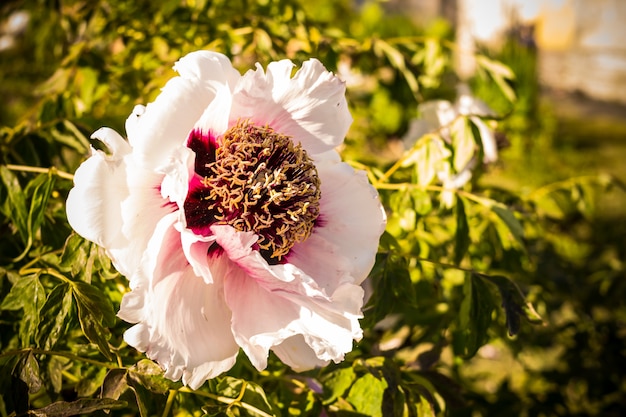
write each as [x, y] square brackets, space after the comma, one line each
[261, 181]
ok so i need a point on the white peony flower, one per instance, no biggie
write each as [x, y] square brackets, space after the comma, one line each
[234, 219]
[441, 117]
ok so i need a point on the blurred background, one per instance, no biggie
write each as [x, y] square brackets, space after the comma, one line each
[69, 67]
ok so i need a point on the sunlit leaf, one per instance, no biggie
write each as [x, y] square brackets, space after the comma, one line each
[150, 375]
[337, 382]
[366, 395]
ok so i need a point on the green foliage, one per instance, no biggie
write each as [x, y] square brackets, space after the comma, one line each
[485, 298]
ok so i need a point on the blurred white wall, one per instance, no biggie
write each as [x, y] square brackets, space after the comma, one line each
[581, 43]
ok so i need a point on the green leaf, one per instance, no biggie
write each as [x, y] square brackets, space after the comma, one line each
[14, 207]
[500, 74]
[114, 384]
[461, 236]
[336, 383]
[393, 288]
[143, 396]
[56, 365]
[29, 373]
[366, 395]
[512, 224]
[81, 406]
[515, 305]
[27, 294]
[463, 143]
[94, 313]
[474, 317]
[42, 187]
[150, 375]
[55, 317]
[250, 396]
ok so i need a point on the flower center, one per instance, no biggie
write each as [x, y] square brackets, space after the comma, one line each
[262, 182]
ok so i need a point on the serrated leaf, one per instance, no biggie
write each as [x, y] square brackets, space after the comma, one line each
[95, 313]
[514, 304]
[461, 235]
[78, 407]
[366, 395]
[474, 316]
[336, 383]
[55, 317]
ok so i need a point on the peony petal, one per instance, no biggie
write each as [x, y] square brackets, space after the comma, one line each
[297, 354]
[93, 204]
[310, 107]
[346, 233]
[208, 65]
[110, 195]
[271, 304]
[184, 323]
[155, 130]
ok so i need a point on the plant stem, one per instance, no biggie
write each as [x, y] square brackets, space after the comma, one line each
[54, 353]
[40, 170]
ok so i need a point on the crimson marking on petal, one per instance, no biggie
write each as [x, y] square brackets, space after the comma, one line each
[256, 180]
[204, 144]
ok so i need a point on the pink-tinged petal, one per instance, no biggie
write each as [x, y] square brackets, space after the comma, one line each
[196, 248]
[310, 107]
[271, 304]
[347, 231]
[297, 354]
[184, 323]
[177, 172]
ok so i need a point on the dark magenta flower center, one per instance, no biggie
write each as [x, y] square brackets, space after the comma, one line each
[255, 180]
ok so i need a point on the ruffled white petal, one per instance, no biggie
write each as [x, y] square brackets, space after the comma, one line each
[346, 233]
[271, 304]
[297, 354]
[310, 107]
[114, 203]
[163, 125]
[208, 66]
[184, 323]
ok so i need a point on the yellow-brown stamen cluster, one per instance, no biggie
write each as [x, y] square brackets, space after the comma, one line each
[262, 182]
